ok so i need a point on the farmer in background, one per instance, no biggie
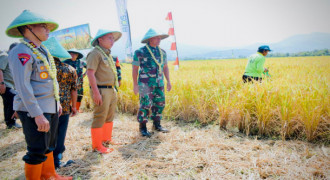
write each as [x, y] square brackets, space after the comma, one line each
[7, 90]
[116, 60]
[37, 99]
[255, 66]
[79, 65]
[103, 79]
[149, 68]
[67, 81]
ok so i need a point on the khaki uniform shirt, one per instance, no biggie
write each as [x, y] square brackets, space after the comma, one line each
[100, 64]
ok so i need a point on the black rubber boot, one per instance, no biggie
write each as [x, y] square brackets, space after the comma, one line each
[144, 131]
[158, 127]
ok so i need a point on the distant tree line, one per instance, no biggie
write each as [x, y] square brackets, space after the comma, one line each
[323, 52]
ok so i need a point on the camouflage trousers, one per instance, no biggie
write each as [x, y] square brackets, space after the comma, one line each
[152, 101]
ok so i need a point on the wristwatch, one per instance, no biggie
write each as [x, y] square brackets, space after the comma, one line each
[2, 83]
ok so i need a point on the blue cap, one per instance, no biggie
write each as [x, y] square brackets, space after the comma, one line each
[264, 47]
[55, 48]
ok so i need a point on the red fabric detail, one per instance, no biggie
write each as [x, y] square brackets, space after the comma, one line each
[117, 62]
[34, 45]
[169, 16]
[24, 58]
[171, 31]
[176, 61]
[173, 46]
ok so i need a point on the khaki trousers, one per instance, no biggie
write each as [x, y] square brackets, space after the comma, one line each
[106, 112]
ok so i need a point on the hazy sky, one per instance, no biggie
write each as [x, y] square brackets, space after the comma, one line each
[214, 23]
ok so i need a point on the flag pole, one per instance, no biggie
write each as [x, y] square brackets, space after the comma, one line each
[172, 34]
[177, 53]
[130, 37]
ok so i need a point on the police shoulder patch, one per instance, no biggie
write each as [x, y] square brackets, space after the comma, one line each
[23, 57]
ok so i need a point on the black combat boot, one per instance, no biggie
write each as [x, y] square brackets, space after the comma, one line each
[144, 131]
[158, 127]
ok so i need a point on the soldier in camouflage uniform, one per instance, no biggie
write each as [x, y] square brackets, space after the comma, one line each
[149, 68]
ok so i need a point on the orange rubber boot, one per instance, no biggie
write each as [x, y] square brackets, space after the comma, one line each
[33, 171]
[97, 136]
[78, 107]
[107, 134]
[48, 169]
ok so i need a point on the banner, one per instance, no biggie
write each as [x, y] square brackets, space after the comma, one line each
[173, 38]
[125, 28]
[74, 37]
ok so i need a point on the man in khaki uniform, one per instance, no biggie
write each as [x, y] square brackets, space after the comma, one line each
[103, 79]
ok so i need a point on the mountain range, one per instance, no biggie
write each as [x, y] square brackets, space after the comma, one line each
[293, 44]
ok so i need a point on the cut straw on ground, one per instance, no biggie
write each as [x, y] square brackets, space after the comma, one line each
[187, 152]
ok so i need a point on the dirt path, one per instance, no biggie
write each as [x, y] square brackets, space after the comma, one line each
[186, 152]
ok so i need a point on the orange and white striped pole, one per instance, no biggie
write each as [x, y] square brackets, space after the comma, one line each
[172, 36]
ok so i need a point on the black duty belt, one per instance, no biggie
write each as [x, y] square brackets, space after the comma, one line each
[106, 87]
